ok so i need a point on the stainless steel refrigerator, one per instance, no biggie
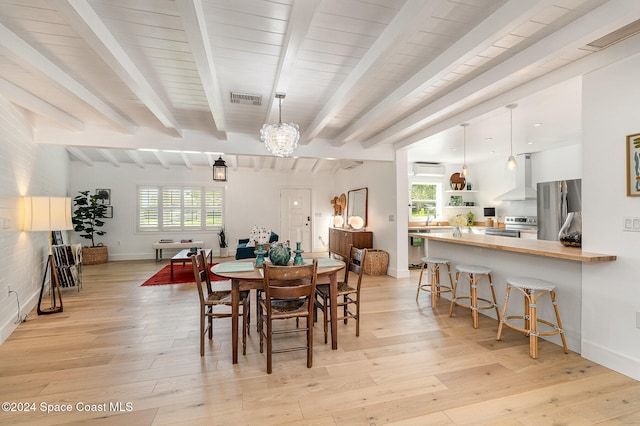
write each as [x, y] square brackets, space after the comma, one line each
[555, 200]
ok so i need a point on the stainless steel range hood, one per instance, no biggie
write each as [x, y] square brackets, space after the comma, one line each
[523, 189]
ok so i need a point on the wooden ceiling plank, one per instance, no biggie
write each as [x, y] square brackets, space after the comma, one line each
[506, 19]
[598, 22]
[403, 25]
[50, 70]
[195, 26]
[135, 157]
[79, 155]
[27, 100]
[84, 19]
[108, 155]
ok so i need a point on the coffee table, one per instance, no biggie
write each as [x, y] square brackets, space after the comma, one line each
[184, 256]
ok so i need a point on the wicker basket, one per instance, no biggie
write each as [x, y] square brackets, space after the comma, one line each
[376, 262]
[95, 255]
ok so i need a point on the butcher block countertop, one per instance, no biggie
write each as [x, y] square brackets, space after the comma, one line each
[533, 247]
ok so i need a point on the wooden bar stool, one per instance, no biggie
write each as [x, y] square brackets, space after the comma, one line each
[434, 286]
[473, 273]
[533, 289]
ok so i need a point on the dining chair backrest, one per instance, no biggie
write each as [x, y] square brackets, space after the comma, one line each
[201, 275]
[355, 263]
[290, 282]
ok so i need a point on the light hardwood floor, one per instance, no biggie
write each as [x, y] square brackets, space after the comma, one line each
[118, 342]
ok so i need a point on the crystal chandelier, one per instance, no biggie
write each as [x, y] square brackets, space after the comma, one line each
[281, 138]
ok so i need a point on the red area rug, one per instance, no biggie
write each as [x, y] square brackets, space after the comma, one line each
[181, 275]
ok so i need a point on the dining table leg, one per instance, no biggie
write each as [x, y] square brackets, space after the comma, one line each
[333, 307]
[235, 313]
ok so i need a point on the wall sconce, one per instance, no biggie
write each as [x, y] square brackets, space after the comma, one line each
[220, 170]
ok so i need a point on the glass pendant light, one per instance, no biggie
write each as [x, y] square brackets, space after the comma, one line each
[512, 164]
[465, 170]
[280, 138]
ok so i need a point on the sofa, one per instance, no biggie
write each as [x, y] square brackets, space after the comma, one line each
[246, 249]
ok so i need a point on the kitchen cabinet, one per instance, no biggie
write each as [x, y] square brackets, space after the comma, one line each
[340, 239]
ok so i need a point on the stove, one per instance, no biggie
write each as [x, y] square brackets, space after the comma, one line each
[521, 222]
[513, 225]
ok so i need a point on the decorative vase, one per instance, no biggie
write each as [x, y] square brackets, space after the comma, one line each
[297, 260]
[279, 255]
[570, 234]
[260, 256]
[457, 232]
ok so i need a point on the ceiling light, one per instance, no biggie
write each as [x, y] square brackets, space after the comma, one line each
[537, 124]
[465, 169]
[512, 164]
[220, 170]
[280, 139]
[489, 139]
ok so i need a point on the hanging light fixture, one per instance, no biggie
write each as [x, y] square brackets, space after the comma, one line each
[512, 164]
[465, 170]
[220, 170]
[281, 138]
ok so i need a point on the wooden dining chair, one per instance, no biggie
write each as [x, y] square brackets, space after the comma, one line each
[288, 293]
[212, 301]
[348, 297]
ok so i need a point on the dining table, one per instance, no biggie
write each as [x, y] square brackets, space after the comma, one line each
[245, 275]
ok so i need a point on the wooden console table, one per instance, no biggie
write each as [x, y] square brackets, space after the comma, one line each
[340, 239]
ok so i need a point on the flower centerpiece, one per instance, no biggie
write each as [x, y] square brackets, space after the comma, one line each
[457, 221]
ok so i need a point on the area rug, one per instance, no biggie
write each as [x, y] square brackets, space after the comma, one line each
[181, 275]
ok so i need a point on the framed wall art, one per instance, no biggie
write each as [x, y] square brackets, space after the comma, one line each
[633, 165]
[105, 196]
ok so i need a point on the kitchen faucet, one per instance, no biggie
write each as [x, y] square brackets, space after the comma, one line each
[429, 219]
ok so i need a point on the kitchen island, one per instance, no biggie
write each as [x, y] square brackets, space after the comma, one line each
[548, 260]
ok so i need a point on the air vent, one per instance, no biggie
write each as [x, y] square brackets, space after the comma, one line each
[617, 35]
[246, 99]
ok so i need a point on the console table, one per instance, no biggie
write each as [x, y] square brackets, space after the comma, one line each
[340, 240]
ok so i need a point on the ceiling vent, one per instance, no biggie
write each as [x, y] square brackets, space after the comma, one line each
[616, 36]
[428, 169]
[246, 99]
[350, 164]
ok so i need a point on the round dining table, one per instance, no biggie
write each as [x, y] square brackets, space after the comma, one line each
[244, 275]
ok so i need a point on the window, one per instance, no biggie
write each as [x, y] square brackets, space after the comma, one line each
[176, 208]
[425, 200]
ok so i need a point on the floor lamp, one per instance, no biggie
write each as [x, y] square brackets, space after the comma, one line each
[48, 214]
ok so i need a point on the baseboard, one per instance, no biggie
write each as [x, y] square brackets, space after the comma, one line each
[398, 273]
[9, 326]
[621, 363]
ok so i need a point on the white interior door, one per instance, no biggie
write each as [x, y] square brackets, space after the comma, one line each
[295, 217]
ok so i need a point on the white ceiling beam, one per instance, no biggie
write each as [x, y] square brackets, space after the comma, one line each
[195, 26]
[107, 155]
[186, 161]
[317, 164]
[135, 157]
[257, 163]
[599, 22]
[161, 158]
[50, 70]
[79, 155]
[403, 25]
[27, 100]
[506, 19]
[302, 13]
[86, 21]
[585, 65]
[210, 159]
[232, 161]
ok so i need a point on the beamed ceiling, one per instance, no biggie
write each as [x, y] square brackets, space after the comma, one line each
[177, 83]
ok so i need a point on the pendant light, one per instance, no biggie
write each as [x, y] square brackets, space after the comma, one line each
[280, 138]
[512, 164]
[220, 170]
[465, 170]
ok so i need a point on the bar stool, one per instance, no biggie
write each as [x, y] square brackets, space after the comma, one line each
[434, 286]
[533, 289]
[473, 273]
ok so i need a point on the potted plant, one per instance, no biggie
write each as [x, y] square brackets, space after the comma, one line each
[222, 240]
[87, 219]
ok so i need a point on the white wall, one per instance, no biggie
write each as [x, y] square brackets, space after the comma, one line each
[32, 170]
[252, 198]
[380, 178]
[611, 291]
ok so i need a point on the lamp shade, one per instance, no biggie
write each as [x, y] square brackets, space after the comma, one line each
[47, 213]
[356, 222]
[338, 221]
